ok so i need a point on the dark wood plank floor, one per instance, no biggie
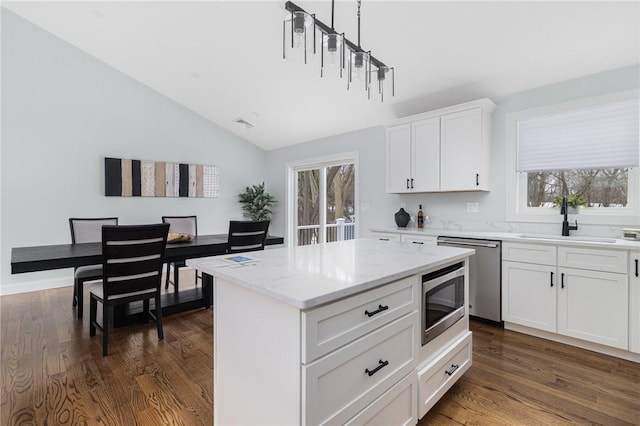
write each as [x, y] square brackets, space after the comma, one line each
[54, 374]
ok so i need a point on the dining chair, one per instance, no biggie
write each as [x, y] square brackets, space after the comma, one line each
[132, 260]
[247, 235]
[180, 225]
[86, 230]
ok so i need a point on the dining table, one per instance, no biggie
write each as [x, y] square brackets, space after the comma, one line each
[61, 256]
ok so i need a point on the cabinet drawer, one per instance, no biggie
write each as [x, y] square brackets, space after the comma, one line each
[385, 236]
[397, 406]
[328, 327]
[441, 373]
[529, 253]
[593, 259]
[419, 239]
[342, 384]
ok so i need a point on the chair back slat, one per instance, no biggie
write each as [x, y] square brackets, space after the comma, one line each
[132, 258]
[247, 235]
[89, 230]
[182, 224]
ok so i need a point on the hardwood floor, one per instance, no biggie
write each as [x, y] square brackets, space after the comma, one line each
[53, 373]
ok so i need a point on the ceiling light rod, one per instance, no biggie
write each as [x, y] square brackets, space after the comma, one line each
[292, 7]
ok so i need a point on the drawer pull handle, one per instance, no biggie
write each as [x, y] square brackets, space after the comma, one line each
[377, 311]
[552, 279]
[454, 367]
[562, 280]
[407, 183]
[381, 364]
[417, 242]
[636, 267]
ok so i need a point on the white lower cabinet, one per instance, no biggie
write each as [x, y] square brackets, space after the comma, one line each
[419, 239]
[441, 373]
[582, 293]
[339, 385]
[634, 302]
[385, 236]
[529, 295]
[398, 406]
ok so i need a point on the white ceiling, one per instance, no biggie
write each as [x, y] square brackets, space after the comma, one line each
[223, 60]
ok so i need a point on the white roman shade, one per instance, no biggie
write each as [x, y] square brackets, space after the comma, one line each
[595, 137]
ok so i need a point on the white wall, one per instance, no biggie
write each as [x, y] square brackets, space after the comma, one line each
[63, 111]
[449, 210]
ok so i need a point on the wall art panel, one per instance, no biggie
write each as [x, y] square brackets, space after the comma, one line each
[142, 178]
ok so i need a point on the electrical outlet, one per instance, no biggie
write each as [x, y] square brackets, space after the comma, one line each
[472, 208]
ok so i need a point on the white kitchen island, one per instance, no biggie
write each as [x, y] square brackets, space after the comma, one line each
[330, 334]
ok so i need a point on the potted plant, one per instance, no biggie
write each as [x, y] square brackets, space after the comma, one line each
[256, 202]
[574, 201]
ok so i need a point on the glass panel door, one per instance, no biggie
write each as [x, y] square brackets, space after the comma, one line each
[340, 200]
[308, 206]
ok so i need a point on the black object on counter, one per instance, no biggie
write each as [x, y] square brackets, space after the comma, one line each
[402, 218]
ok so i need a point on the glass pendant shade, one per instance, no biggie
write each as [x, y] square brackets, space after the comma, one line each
[332, 56]
[298, 37]
[359, 70]
[382, 83]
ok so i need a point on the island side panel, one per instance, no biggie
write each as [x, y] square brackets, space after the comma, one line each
[256, 358]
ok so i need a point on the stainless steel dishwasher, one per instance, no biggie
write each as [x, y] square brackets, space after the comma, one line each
[485, 275]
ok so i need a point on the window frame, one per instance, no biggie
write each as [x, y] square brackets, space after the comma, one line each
[516, 189]
[293, 167]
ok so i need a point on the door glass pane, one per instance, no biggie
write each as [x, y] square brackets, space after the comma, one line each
[340, 196]
[308, 220]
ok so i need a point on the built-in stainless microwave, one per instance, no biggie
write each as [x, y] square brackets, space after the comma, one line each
[442, 300]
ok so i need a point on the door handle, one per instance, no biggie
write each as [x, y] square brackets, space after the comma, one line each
[477, 179]
[552, 279]
[407, 183]
[411, 183]
[562, 280]
[637, 261]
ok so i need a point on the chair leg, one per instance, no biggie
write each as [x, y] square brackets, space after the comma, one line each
[80, 296]
[166, 281]
[158, 317]
[176, 276]
[93, 313]
[75, 292]
[106, 314]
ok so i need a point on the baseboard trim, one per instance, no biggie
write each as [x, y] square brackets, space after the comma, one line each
[35, 285]
[594, 347]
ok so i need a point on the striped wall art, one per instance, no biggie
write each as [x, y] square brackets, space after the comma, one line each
[140, 178]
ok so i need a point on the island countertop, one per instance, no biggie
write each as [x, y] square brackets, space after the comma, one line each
[308, 276]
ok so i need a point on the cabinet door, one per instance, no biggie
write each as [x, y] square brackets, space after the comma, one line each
[593, 306]
[425, 157]
[399, 158]
[634, 301]
[462, 153]
[529, 295]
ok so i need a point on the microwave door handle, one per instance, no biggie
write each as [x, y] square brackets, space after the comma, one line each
[458, 243]
[443, 279]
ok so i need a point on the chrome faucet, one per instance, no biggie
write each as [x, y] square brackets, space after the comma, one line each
[565, 224]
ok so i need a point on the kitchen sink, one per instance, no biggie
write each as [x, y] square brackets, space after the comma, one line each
[576, 238]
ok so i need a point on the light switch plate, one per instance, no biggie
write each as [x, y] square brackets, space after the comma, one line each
[472, 208]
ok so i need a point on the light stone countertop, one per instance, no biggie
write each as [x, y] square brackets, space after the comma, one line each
[313, 275]
[521, 237]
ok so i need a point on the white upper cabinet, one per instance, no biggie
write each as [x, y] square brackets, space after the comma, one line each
[440, 151]
[413, 156]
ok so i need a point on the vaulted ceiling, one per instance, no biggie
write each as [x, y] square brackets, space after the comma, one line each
[223, 59]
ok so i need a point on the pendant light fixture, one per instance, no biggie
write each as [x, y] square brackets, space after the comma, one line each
[299, 42]
[359, 64]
